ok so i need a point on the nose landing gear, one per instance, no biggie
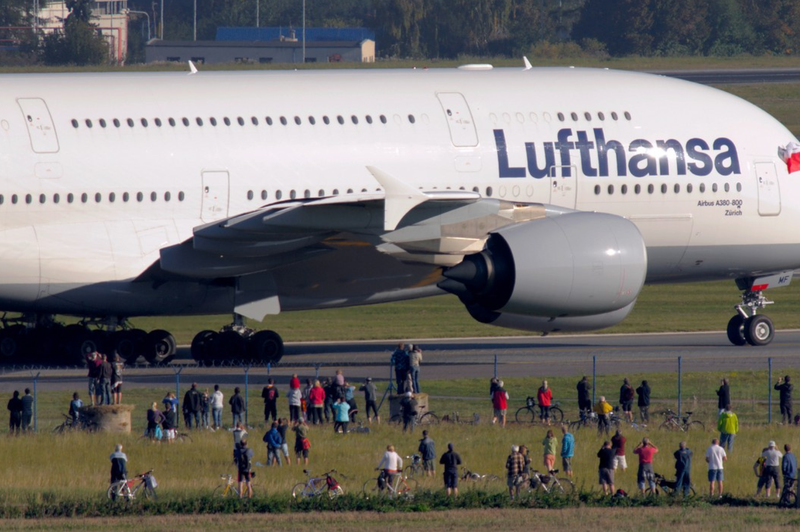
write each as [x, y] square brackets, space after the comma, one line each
[747, 327]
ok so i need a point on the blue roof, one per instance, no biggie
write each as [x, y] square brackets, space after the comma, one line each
[312, 34]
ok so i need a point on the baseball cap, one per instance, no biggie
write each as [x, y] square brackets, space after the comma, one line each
[771, 444]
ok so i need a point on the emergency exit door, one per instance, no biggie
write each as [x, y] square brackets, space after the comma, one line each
[41, 130]
[769, 191]
[215, 196]
[459, 119]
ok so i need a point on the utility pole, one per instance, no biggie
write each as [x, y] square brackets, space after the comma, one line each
[304, 31]
[195, 20]
[161, 27]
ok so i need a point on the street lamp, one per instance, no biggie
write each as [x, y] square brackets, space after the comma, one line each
[148, 20]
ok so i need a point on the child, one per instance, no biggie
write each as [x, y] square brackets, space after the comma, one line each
[74, 408]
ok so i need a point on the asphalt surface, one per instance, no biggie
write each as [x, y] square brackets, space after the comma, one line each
[462, 358]
[738, 76]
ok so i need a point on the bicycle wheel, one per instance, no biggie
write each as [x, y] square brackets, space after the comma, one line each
[695, 426]
[412, 470]
[788, 499]
[371, 489]
[183, 437]
[566, 487]
[525, 415]
[149, 493]
[669, 425]
[113, 492]
[299, 492]
[61, 428]
[491, 478]
[575, 426]
[406, 488]
[223, 491]
[335, 492]
[652, 492]
[556, 414]
[429, 418]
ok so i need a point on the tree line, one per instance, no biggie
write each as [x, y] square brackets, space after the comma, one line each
[451, 28]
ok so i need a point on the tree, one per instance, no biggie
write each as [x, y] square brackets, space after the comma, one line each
[681, 27]
[80, 44]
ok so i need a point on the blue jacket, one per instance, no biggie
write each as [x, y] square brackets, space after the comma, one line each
[427, 448]
[789, 465]
[568, 445]
[273, 438]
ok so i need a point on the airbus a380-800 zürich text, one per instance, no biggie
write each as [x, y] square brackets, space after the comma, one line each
[543, 198]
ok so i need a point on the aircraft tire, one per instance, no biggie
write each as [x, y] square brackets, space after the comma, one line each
[78, 344]
[759, 330]
[158, 346]
[202, 347]
[266, 347]
[126, 344]
[736, 330]
[12, 344]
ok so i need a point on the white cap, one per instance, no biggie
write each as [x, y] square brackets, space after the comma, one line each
[514, 448]
[771, 444]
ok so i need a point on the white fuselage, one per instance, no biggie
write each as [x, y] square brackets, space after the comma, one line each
[86, 204]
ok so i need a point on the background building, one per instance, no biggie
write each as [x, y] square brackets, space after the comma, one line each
[110, 16]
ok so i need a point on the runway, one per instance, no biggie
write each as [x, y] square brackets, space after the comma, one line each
[735, 76]
[538, 357]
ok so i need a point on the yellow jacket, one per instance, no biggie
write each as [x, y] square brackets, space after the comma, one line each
[602, 408]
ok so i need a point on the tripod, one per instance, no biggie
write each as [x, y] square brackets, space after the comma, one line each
[390, 389]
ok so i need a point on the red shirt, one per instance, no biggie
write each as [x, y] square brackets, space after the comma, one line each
[499, 400]
[294, 383]
[618, 444]
[545, 396]
[316, 395]
[645, 454]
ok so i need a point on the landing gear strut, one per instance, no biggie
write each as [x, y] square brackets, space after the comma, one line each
[747, 327]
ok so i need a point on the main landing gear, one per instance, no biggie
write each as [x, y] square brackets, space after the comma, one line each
[747, 327]
[237, 344]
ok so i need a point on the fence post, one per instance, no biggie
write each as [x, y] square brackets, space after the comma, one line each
[246, 393]
[594, 379]
[177, 395]
[495, 365]
[316, 371]
[769, 390]
[35, 401]
[680, 378]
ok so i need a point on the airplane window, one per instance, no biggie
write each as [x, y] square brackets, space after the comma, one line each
[312, 120]
[167, 196]
[650, 189]
[714, 187]
[268, 120]
[369, 119]
[307, 194]
[126, 197]
[727, 187]
[560, 117]
[689, 188]
[283, 120]
[354, 118]
[738, 187]
[627, 116]
[144, 122]
[227, 121]
[614, 116]
[56, 198]
[664, 188]
[702, 187]
[157, 122]
[42, 198]
[14, 199]
[171, 121]
[574, 117]
[263, 194]
[624, 189]
[102, 123]
[88, 123]
[326, 120]
[297, 120]
[185, 121]
[489, 192]
[84, 197]
[70, 198]
[199, 121]
[254, 120]
[139, 197]
[98, 197]
[677, 188]
[129, 121]
[2, 199]
[116, 122]
[212, 121]
[411, 119]
[588, 116]
[249, 194]
[278, 194]
[597, 190]
[321, 193]
[181, 196]
[112, 197]
[637, 189]
[383, 119]
[601, 116]
[293, 194]
[74, 123]
[610, 189]
[340, 119]
[240, 120]
[153, 196]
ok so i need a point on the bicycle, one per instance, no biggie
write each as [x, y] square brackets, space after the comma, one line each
[180, 437]
[788, 495]
[403, 486]
[128, 489]
[68, 425]
[468, 475]
[529, 413]
[667, 487]
[591, 420]
[228, 487]
[550, 483]
[674, 422]
[315, 486]
[427, 418]
[415, 467]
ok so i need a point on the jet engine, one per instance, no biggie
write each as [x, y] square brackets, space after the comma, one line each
[575, 271]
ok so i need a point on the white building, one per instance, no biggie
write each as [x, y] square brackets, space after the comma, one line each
[110, 16]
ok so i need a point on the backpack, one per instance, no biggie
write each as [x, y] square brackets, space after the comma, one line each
[243, 461]
[758, 467]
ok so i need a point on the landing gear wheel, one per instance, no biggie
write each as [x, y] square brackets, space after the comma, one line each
[230, 345]
[266, 347]
[126, 344]
[159, 347]
[202, 347]
[11, 344]
[736, 330]
[758, 330]
[78, 344]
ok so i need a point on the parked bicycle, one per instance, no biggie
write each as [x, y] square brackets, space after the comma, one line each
[664, 486]
[126, 490]
[674, 422]
[68, 425]
[468, 475]
[788, 495]
[402, 486]
[530, 412]
[180, 437]
[550, 483]
[229, 487]
[414, 468]
[316, 486]
[423, 418]
[590, 420]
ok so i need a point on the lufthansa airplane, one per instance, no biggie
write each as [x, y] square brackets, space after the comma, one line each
[543, 198]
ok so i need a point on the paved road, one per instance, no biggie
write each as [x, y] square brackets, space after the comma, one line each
[460, 358]
[739, 76]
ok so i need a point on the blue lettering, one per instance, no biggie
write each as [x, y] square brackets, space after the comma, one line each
[549, 159]
[602, 154]
[643, 154]
[692, 147]
[563, 145]
[585, 147]
[677, 150]
[729, 154]
[502, 157]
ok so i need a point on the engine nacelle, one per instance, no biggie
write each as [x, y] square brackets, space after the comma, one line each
[565, 266]
[548, 325]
